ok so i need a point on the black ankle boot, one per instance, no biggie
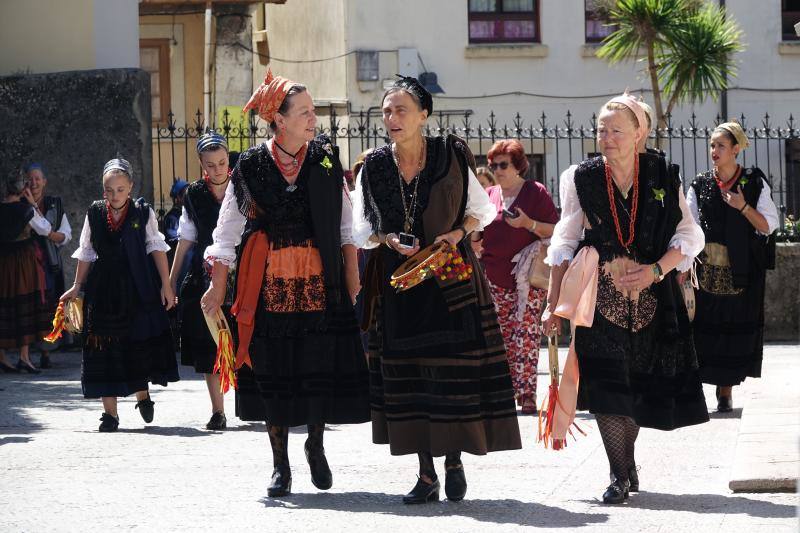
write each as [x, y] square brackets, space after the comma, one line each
[321, 475]
[423, 492]
[617, 492]
[633, 478]
[281, 483]
[145, 408]
[455, 483]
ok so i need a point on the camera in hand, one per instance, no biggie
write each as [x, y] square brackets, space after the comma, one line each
[509, 214]
[407, 240]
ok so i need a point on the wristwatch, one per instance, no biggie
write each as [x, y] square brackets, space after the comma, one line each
[658, 274]
[533, 227]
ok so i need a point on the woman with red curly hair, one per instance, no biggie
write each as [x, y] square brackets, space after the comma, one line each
[524, 222]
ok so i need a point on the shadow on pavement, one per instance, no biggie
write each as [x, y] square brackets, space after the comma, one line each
[14, 440]
[501, 511]
[736, 413]
[168, 431]
[707, 503]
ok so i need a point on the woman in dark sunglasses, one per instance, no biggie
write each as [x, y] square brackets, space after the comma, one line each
[524, 223]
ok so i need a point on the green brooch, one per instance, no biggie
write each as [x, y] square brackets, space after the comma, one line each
[326, 163]
[743, 181]
[135, 224]
[659, 194]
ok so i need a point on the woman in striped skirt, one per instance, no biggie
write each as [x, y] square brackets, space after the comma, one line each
[439, 377]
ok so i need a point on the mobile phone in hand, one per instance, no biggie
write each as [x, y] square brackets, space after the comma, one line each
[509, 214]
[407, 240]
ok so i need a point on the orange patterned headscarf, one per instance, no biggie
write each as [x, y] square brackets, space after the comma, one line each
[269, 96]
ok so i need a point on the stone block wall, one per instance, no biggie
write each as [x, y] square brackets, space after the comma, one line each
[73, 122]
[782, 299]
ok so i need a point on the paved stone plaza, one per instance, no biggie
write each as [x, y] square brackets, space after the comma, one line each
[57, 473]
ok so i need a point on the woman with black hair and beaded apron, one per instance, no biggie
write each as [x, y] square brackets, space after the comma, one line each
[122, 270]
[734, 207]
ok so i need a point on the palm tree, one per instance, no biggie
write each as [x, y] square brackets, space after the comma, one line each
[688, 45]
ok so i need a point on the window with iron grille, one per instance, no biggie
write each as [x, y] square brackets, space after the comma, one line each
[367, 65]
[597, 28]
[790, 15]
[504, 21]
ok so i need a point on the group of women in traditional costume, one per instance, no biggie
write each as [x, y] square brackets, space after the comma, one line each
[272, 245]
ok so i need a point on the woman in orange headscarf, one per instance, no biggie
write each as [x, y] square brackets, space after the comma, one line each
[297, 277]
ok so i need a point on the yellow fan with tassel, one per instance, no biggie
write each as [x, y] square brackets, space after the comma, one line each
[69, 317]
[225, 363]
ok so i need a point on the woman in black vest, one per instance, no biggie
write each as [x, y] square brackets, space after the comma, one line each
[296, 279]
[122, 270]
[625, 212]
[734, 207]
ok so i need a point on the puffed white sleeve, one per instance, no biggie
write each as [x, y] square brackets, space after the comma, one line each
[479, 206]
[187, 231]
[66, 230]
[153, 239]
[361, 229]
[40, 225]
[85, 251]
[228, 233]
[346, 227]
[767, 207]
[569, 230]
[688, 238]
[691, 201]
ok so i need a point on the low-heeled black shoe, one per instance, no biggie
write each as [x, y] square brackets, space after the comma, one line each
[321, 475]
[8, 369]
[455, 484]
[145, 408]
[724, 404]
[633, 478]
[423, 492]
[44, 362]
[27, 367]
[281, 483]
[218, 422]
[617, 492]
[108, 423]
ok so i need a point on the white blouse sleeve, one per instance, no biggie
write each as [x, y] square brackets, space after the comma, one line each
[361, 228]
[187, 231]
[66, 230]
[154, 239]
[228, 233]
[691, 201]
[40, 225]
[569, 230]
[767, 208]
[85, 251]
[478, 204]
[688, 238]
[346, 227]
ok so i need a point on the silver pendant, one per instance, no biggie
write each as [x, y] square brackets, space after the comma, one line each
[291, 188]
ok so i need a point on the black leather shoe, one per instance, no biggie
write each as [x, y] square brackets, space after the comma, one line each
[321, 475]
[281, 483]
[108, 423]
[218, 422]
[455, 484]
[44, 362]
[27, 367]
[617, 492]
[423, 492]
[724, 404]
[145, 408]
[8, 369]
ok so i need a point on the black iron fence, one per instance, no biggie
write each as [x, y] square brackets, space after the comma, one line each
[551, 144]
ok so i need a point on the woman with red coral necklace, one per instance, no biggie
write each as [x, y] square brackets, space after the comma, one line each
[123, 272]
[630, 220]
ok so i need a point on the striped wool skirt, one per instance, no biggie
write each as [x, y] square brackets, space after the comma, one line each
[24, 314]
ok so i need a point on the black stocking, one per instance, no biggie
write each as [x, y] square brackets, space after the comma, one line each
[279, 439]
[631, 433]
[452, 460]
[426, 467]
[315, 434]
[612, 430]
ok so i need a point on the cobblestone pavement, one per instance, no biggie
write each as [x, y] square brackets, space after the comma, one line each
[57, 473]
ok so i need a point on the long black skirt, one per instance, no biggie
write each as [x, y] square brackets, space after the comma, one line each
[729, 330]
[312, 376]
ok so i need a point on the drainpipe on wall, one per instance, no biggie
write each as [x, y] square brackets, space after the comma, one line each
[207, 67]
[723, 99]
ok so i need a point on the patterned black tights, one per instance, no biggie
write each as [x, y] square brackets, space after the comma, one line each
[279, 439]
[619, 438]
[315, 434]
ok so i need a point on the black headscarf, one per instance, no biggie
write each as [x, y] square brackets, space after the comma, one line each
[413, 87]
